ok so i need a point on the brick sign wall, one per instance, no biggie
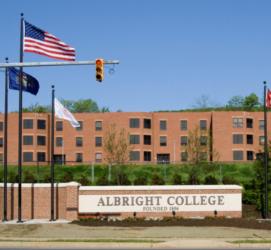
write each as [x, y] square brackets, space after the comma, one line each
[73, 202]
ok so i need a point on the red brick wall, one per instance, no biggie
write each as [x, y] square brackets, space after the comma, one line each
[36, 201]
[222, 131]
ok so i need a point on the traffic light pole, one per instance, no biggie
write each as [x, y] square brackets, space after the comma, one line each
[22, 64]
[42, 64]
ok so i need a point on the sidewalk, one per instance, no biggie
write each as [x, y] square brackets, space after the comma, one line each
[42, 235]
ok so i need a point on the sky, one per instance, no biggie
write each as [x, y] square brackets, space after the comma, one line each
[171, 52]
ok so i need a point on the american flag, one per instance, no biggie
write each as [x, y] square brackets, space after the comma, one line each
[268, 99]
[44, 43]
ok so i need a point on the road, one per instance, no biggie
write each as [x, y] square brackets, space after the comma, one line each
[71, 236]
[18, 248]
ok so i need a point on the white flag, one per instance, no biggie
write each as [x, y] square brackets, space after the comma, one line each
[63, 113]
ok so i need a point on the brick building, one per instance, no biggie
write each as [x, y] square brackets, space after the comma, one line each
[155, 136]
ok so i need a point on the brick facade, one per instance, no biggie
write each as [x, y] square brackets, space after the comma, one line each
[235, 135]
[36, 201]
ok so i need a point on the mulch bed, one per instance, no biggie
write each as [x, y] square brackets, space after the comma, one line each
[250, 220]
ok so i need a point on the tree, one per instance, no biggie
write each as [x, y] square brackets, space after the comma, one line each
[236, 102]
[81, 106]
[105, 109]
[203, 102]
[37, 108]
[116, 145]
[197, 147]
[251, 102]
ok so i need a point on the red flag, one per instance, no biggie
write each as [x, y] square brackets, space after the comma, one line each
[268, 99]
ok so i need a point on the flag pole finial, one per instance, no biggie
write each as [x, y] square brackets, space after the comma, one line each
[6, 59]
[22, 14]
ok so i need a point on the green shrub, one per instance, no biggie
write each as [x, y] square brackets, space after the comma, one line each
[28, 177]
[121, 177]
[68, 176]
[157, 180]
[210, 180]
[229, 180]
[177, 179]
[12, 177]
[141, 180]
[102, 181]
[83, 180]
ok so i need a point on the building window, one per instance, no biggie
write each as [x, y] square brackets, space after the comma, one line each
[261, 124]
[41, 157]
[27, 140]
[238, 155]
[79, 157]
[250, 155]
[203, 156]
[261, 140]
[184, 140]
[237, 122]
[41, 140]
[41, 124]
[183, 125]
[147, 156]
[1, 142]
[1, 126]
[59, 141]
[98, 125]
[134, 139]
[98, 157]
[59, 126]
[237, 139]
[134, 123]
[249, 123]
[147, 139]
[163, 141]
[184, 156]
[27, 156]
[203, 124]
[163, 125]
[1, 158]
[249, 139]
[28, 124]
[134, 156]
[79, 141]
[98, 141]
[203, 140]
[147, 123]
[81, 126]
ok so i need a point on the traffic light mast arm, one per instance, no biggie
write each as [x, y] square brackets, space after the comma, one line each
[41, 64]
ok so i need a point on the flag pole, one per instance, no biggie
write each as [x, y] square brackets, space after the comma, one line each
[52, 152]
[20, 126]
[266, 156]
[6, 145]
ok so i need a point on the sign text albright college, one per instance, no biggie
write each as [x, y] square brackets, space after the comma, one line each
[108, 203]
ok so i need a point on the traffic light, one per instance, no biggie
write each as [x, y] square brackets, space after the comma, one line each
[99, 70]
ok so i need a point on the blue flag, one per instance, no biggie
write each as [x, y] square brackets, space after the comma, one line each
[30, 84]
